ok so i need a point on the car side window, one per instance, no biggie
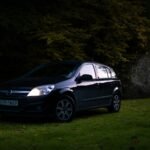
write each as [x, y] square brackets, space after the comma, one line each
[102, 72]
[88, 70]
[113, 74]
[109, 73]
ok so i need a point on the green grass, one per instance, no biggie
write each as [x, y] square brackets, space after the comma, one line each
[94, 130]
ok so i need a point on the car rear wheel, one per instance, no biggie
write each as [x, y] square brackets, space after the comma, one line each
[64, 109]
[115, 104]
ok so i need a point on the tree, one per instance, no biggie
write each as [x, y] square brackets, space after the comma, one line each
[115, 32]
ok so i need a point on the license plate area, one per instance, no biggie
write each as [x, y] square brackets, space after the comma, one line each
[9, 102]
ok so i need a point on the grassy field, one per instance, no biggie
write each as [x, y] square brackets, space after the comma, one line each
[94, 130]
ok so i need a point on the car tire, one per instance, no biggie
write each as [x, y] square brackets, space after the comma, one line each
[64, 109]
[115, 104]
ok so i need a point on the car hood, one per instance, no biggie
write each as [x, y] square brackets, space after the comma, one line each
[30, 82]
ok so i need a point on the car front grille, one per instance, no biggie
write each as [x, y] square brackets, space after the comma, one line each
[13, 93]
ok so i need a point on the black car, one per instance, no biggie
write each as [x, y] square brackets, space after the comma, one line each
[61, 89]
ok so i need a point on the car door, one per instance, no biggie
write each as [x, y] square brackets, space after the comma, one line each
[86, 90]
[105, 85]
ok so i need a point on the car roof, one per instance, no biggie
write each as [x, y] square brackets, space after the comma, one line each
[96, 63]
[78, 62]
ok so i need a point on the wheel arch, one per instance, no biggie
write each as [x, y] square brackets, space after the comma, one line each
[117, 90]
[68, 92]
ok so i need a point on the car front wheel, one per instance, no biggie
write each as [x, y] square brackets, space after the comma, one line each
[64, 109]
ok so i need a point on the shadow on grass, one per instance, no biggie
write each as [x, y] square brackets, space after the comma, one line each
[24, 120]
[41, 120]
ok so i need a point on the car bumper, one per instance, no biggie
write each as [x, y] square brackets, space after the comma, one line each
[27, 106]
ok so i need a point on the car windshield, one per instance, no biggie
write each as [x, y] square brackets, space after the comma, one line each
[52, 70]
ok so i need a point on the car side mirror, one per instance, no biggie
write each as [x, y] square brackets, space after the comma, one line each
[85, 77]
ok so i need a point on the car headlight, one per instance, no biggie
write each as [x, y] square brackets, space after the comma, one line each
[41, 90]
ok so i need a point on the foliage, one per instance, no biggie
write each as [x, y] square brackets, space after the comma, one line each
[98, 29]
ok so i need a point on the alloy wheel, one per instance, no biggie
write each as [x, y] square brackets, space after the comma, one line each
[116, 102]
[64, 110]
